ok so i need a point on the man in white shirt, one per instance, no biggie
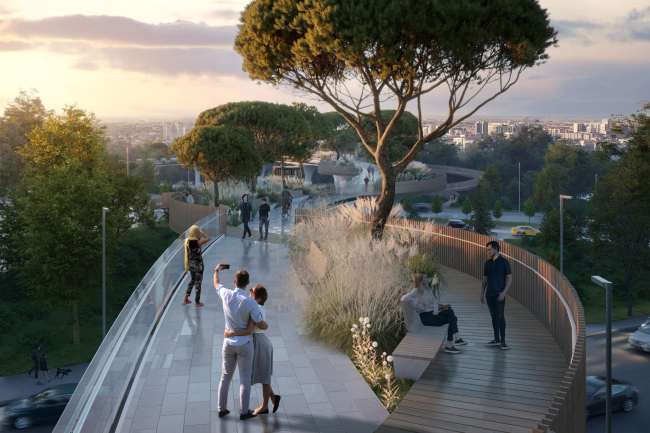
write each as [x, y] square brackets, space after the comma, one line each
[238, 309]
[190, 198]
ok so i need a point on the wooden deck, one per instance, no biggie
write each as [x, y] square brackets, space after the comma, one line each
[484, 389]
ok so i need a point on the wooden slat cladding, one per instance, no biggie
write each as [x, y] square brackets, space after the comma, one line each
[533, 285]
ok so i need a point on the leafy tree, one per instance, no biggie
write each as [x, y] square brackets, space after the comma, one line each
[400, 140]
[341, 137]
[390, 50]
[493, 178]
[165, 187]
[527, 147]
[620, 227]
[467, 206]
[550, 230]
[497, 211]
[481, 219]
[547, 187]
[147, 171]
[575, 167]
[529, 208]
[512, 191]
[220, 152]
[25, 113]
[150, 149]
[436, 204]
[440, 152]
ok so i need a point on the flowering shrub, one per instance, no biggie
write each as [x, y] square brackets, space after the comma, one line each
[416, 170]
[376, 369]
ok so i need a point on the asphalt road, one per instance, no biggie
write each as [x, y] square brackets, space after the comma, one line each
[629, 365]
[41, 428]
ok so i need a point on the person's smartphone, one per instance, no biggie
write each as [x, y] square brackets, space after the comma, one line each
[226, 266]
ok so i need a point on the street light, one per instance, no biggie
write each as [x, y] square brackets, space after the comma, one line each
[566, 197]
[520, 187]
[104, 210]
[607, 285]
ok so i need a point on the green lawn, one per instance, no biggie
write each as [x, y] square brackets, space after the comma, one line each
[138, 249]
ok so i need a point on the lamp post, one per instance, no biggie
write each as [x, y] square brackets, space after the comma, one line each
[607, 285]
[520, 187]
[566, 197]
[126, 149]
[104, 210]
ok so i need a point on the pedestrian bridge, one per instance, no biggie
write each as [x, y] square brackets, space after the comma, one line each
[159, 366]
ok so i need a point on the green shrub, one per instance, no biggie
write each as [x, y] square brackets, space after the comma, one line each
[29, 311]
[5, 320]
[234, 220]
[507, 204]
[424, 262]
[30, 339]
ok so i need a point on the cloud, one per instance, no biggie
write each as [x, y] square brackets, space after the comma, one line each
[114, 30]
[580, 30]
[86, 66]
[636, 26]
[14, 46]
[225, 14]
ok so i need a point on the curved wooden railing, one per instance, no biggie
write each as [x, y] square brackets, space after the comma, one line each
[536, 285]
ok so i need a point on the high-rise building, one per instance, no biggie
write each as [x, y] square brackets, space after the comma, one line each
[579, 127]
[482, 127]
[167, 131]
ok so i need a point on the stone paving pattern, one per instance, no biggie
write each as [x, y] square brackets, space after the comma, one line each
[177, 391]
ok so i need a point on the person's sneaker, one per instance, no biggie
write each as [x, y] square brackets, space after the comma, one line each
[494, 342]
[266, 238]
[249, 236]
[186, 300]
[460, 342]
[243, 237]
[250, 414]
[39, 383]
[199, 304]
[451, 349]
[504, 346]
[261, 238]
[223, 413]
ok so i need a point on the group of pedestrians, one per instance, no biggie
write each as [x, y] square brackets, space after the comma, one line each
[187, 197]
[263, 213]
[497, 278]
[40, 367]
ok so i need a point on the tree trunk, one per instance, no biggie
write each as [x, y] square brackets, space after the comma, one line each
[253, 184]
[216, 191]
[385, 202]
[282, 170]
[75, 325]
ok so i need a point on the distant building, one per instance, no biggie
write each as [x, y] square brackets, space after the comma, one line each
[579, 127]
[482, 127]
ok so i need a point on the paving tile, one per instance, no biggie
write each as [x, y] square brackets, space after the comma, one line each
[227, 424]
[347, 371]
[152, 396]
[300, 361]
[324, 414]
[200, 374]
[288, 386]
[322, 365]
[176, 384]
[171, 424]
[372, 410]
[343, 402]
[275, 422]
[183, 353]
[203, 428]
[180, 368]
[197, 413]
[201, 359]
[306, 375]
[314, 393]
[157, 376]
[306, 424]
[174, 404]
[146, 417]
[359, 389]
[333, 429]
[338, 358]
[332, 382]
[295, 405]
[283, 368]
[280, 354]
[354, 422]
[198, 392]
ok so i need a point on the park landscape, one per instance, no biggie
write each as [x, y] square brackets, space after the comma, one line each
[59, 170]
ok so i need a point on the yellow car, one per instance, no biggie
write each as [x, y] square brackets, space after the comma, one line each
[524, 230]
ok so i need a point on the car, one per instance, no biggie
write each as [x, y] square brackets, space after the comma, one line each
[624, 395]
[457, 224]
[422, 207]
[44, 407]
[641, 338]
[524, 230]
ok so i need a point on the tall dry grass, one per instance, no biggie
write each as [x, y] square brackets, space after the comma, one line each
[365, 277]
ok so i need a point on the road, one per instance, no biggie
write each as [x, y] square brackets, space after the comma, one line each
[42, 428]
[629, 365]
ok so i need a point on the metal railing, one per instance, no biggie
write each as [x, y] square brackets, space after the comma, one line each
[99, 399]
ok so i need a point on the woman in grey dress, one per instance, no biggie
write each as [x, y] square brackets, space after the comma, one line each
[263, 356]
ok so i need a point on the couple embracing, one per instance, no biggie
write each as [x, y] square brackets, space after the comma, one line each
[245, 345]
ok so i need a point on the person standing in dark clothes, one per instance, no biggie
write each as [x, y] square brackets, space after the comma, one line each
[35, 355]
[195, 268]
[497, 278]
[264, 217]
[246, 214]
[43, 370]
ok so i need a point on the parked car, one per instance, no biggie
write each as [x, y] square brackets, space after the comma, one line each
[422, 207]
[641, 338]
[524, 230]
[457, 224]
[624, 395]
[44, 407]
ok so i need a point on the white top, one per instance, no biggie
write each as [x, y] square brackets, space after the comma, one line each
[190, 199]
[238, 310]
[423, 301]
[258, 330]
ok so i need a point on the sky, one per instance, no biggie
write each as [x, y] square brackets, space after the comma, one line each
[167, 59]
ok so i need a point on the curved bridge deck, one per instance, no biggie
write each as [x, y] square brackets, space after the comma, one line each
[484, 389]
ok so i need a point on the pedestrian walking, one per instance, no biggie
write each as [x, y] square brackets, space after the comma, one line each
[365, 181]
[246, 214]
[372, 172]
[497, 278]
[194, 264]
[264, 217]
[43, 370]
[237, 351]
[35, 355]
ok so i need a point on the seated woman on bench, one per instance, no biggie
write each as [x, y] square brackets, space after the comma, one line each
[426, 305]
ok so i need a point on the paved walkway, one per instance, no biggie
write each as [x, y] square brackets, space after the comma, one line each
[483, 389]
[321, 390]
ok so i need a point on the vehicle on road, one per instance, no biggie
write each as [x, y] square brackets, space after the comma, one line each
[641, 338]
[457, 224]
[624, 395]
[524, 231]
[44, 407]
[422, 207]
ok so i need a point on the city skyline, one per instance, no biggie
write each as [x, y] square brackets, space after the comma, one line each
[160, 61]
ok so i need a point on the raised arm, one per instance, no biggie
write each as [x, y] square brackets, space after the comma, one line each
[247, 331]
[205, 240]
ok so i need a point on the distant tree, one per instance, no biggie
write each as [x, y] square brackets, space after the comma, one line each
[165, 187]
[440, 152]
[467, 207]
[550, 230]
[481, 219]
[402, 138]
[341, 137]
[392, 52]
[436, 204]
[547, 187]
[575, 167]
[529, 208]
[220, 152]
[493, 178]
[497, 211]
[20, 117]
[147, 171]
[528, 147]
[512, 191]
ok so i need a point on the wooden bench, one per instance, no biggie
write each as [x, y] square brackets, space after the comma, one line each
[420, 345]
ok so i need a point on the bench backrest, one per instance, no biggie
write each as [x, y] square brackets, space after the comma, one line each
[411, 317]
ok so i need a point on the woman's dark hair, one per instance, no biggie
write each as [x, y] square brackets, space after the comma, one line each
[493, 244]
[260, 294]
[193, 243]
[245, 195]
